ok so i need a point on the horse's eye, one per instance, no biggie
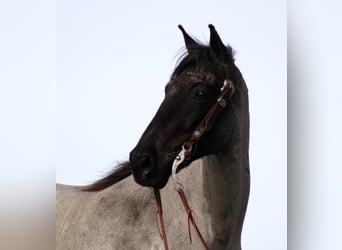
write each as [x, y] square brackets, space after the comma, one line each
[201, 93]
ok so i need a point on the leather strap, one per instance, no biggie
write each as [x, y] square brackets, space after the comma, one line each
[191, 218]
[189, 213]
[160, 215]
[209, 120]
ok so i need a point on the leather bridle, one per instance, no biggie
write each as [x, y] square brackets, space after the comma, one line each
[187, 152]
[208, 121]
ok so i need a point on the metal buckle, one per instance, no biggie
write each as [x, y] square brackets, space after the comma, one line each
[176, 162]
[228, 83]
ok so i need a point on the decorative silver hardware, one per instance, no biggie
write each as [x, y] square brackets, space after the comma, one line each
[197, 133]
[225, 84]
[229, 83]
[222, 102]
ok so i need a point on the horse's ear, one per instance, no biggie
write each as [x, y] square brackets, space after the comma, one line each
[190, 43]
[217, 46]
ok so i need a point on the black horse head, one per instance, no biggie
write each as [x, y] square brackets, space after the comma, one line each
[192, 90]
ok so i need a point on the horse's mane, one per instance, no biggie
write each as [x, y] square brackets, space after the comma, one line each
[119, 173]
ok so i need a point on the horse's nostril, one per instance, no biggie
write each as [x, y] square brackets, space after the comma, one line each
[143, 164]
[146, 164]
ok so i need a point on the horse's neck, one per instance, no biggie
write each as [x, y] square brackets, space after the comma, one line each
[226, 190]
[226, 186]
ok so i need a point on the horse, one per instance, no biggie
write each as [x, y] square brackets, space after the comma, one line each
[215, 175]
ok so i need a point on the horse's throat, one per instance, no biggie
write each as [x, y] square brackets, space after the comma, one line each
[226, 189]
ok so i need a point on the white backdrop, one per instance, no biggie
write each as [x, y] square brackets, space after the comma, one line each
[113, 60]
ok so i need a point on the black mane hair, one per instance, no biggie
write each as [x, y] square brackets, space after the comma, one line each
[200, 55]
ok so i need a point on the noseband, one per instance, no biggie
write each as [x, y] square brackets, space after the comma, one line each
[188, 149]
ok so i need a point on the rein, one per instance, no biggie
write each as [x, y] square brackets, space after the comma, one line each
[187, 151]
[160, 214]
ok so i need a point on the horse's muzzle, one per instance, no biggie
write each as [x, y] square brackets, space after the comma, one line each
[145, 169]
